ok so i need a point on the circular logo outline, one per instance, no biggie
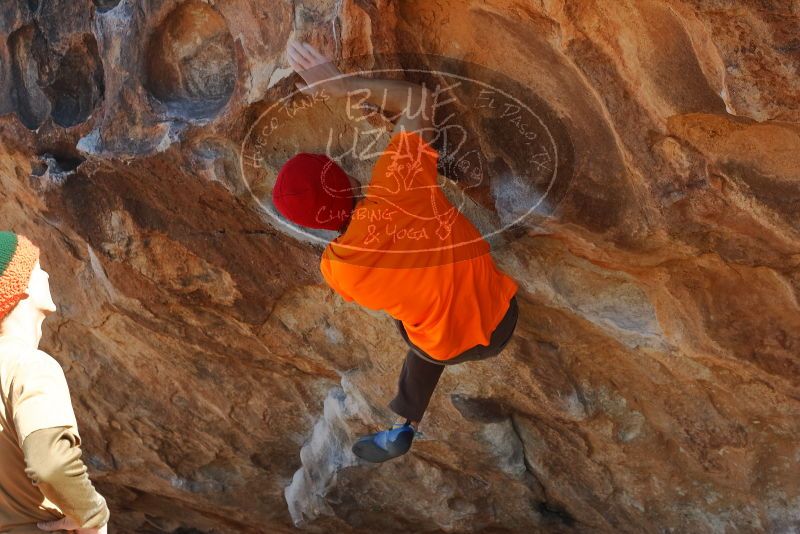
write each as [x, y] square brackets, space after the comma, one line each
[301, 229]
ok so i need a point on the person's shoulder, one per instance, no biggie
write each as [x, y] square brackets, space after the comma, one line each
[412, 141]
[23, 364]
[407, 163]
[14, 352]
[43, 358]
[329, 252]
[37, 362]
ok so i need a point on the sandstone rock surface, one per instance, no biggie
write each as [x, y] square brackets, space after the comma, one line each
[653, 384]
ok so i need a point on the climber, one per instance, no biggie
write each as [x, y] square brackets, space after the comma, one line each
[43, 482]
[402, 247]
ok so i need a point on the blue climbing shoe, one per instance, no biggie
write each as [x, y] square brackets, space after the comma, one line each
[386, 444]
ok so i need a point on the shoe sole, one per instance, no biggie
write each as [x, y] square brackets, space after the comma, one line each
[367, 450]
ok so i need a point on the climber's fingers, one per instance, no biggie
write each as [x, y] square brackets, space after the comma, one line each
[306, 55]
[317, 56]
[299, 57]
[316, 70]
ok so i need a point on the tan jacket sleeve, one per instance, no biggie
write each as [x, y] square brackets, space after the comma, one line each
[53, 459]
[40, 396]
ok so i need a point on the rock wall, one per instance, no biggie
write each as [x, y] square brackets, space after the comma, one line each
[654, 380]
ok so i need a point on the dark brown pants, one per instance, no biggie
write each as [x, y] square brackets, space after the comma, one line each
[421, 372]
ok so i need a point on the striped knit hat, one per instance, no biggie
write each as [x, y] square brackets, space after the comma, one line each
[17, 259]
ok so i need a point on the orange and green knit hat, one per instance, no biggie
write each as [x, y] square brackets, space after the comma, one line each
[17, 259]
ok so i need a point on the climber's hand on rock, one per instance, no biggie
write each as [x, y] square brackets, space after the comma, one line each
[315, 68]
[70, 525]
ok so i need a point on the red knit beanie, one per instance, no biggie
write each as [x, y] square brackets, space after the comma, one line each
[312, 190]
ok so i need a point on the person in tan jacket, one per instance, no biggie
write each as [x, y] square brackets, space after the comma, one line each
[44, 484]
